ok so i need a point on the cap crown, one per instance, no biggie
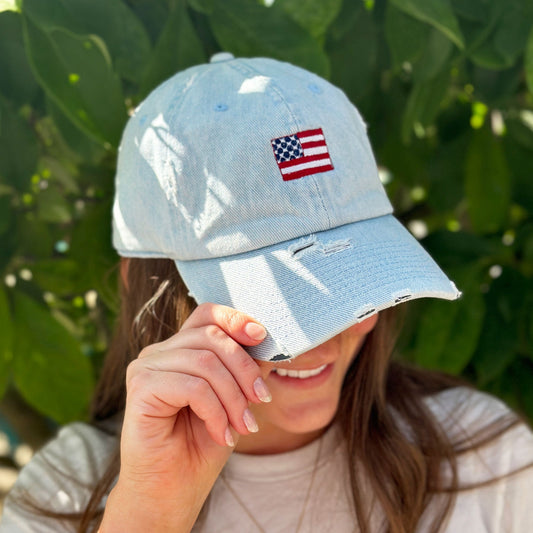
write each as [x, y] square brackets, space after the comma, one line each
[198, 176]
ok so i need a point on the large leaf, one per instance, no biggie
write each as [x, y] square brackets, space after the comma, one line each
[448, 332]
[438, 13]
[496, 41]
[406, 36]
[6, 341]
[152, 13]
[60, 276]
[357, 80]
[512, 32]
[518, 146]
[76, 72]
[424, 103]
[500, 338]
[314, 16]
[472, 10]
[203, 6]
[18, 148]
[249, 29]
[178, 47]
[487, 182]
[17, 82]
[434, 58]
[113, 21]
[81, 144]
[49, 369]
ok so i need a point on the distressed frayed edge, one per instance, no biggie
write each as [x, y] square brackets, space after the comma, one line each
[311, 243]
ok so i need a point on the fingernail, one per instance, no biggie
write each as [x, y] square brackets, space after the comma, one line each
[255, 331]
[229, 438]
[249, 421]
[261, 390]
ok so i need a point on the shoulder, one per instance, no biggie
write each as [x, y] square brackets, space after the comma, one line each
[61, 475]
[494, 461]
[502, 441]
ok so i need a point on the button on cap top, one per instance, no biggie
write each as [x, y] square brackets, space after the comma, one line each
[221, 56]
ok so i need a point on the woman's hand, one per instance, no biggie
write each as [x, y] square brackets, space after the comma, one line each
[183, 394]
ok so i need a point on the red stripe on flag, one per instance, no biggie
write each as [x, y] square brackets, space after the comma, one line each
[308, 133]
[312, 144]
[306, 172]
[302, 160]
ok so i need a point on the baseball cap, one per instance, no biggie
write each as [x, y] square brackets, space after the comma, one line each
[258, 179]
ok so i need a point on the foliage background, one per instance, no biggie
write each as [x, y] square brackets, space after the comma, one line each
[446, 87]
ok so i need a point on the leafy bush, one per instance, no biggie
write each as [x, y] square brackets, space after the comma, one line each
[445, 86]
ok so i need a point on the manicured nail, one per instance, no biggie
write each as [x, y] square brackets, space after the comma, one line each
[255, 331]
[249, 421]
[261, 390]
[229, 438]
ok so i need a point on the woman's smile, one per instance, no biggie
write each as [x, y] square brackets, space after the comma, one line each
[302, 379]
[305, 393]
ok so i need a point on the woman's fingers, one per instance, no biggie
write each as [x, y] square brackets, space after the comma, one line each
[157, 395]
[239, 326]
[203, 367]
[241, 366]
[207, 365]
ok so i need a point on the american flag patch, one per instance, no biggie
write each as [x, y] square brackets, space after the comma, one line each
[301, 154]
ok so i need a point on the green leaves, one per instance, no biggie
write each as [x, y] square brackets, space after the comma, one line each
[249, 29]
[406, 36]
[448, 332]
[125, 38]
[424, 104]
[17, 82]
[76, 72]
[177, 48]
[487, 183]
[437, 13]
[317, 15]
[49, 368]
[18, 148]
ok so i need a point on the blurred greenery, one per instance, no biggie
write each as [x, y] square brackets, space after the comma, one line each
[446, 87]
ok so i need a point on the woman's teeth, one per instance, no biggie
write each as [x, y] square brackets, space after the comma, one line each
[301, 374]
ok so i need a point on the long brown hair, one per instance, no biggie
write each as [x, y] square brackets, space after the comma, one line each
[403, 472]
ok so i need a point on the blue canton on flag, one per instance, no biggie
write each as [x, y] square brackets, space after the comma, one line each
[287, 148]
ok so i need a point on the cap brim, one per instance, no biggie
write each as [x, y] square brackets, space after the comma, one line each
[306, 291]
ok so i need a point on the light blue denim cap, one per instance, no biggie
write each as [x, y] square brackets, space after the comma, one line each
[257, 178]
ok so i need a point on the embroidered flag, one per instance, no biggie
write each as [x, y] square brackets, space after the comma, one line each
[301, 154]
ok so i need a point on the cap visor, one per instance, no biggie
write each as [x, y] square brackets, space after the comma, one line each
[309, 289]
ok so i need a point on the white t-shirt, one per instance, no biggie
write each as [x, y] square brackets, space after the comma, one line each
[273, 488]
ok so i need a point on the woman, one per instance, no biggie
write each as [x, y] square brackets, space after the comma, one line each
[248, 186]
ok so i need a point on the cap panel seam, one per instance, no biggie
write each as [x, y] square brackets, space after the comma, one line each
[297, 126]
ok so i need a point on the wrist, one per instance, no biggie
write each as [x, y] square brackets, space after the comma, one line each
[127, 510]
